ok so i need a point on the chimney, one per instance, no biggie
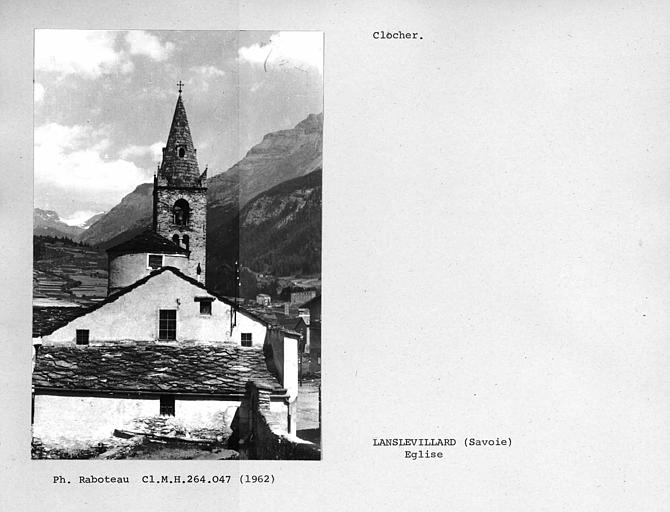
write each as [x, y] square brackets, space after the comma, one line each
[286, 308]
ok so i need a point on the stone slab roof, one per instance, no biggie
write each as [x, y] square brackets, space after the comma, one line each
[48, 319]
[312, 301]
[147, 241]
[221, 370]
[176, 170]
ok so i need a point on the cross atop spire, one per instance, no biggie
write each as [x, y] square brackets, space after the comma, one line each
[180, 84]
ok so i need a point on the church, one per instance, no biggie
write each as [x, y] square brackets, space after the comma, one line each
[161, 343]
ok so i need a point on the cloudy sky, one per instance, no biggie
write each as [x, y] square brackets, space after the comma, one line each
[104, 102]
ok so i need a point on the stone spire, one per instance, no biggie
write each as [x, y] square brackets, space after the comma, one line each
[179, 167]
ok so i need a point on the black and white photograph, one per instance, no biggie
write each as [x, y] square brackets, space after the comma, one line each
[476, 195]
[177, 244]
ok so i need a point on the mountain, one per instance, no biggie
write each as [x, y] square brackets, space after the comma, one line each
[280, 229]
[93, 220]
[48, 223]
[127, 219]
[280, 156]
[278, 232]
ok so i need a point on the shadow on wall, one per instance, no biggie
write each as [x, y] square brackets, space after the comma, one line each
[257, 436]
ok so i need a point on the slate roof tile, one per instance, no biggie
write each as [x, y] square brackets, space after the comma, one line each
[221, 370]
[147, 241]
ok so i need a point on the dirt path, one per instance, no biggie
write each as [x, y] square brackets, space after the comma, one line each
[308, 411]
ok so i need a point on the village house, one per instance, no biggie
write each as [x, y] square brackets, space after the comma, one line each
[161, 342]
[310, 327]
[301, 295]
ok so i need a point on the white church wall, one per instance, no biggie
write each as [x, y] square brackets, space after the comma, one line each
[125, 269]
[205, 413]
[67, 420]
[134, 317]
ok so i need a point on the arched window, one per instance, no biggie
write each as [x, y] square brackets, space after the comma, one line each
[186, 240]
[181, 212]
[175, 239]
[181, 151]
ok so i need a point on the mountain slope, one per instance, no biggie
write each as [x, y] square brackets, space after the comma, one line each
[280, 229]
[128, 218]
[281, 156]
[278, 232]
[92, 220]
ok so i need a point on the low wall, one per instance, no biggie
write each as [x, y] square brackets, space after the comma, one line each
[69, 420]
[257, 435]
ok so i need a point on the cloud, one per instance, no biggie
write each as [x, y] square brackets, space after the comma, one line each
[39, 92]
[202, 77]
[88, 53]
[143, 43]
[73, 157]
[208, 71]
[293, 49]
[155, 150]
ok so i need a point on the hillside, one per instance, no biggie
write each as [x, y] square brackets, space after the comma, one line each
[65, 272]
[92, 220]
[128, 218]
[278, 232]
[280, 156]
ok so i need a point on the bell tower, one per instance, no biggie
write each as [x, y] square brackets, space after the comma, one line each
[180, 194]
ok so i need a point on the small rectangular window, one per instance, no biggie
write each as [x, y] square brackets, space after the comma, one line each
[167, 405]
[205, 307]
[167, 324]
[155, 261]
[246, 339]
[82, 336]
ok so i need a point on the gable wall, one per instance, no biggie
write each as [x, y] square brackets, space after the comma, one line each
[285, 360]
[134, 317]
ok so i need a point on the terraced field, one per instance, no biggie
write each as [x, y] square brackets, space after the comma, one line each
[67, 272]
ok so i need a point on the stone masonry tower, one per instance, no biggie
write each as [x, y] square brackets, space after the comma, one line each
[180, 194]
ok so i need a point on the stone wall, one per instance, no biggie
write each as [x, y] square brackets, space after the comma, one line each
[258, 435]
[196, 228]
